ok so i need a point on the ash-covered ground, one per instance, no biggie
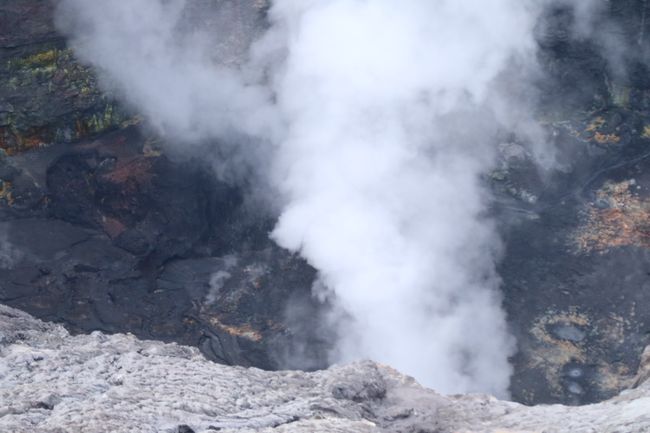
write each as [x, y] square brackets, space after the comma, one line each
[96, 383]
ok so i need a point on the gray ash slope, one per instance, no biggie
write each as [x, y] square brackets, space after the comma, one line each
[51, 381]
[101, 230]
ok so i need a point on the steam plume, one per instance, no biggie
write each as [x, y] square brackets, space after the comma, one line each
[379, 119]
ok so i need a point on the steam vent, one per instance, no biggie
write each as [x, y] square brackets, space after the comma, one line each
[324, 216]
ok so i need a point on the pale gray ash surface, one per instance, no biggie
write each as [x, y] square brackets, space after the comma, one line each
[52, 382]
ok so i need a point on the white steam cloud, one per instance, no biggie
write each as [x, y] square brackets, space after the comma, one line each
[378, 120]
[390, 129]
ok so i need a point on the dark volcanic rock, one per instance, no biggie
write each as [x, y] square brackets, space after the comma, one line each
[151, 207]
[46, 96]
[575, 268]
[113, 235]
[25, 23]
[125, 240]
[594, 64]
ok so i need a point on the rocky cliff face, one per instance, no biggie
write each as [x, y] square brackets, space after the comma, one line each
[102, 229]
[112, 235]
[47, 96]
[53, 382]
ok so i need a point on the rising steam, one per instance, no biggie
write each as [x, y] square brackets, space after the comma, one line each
[378, 119]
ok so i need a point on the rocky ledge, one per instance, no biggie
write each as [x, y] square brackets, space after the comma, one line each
[52, 382]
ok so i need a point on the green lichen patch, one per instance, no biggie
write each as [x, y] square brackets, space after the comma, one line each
[53, 98]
